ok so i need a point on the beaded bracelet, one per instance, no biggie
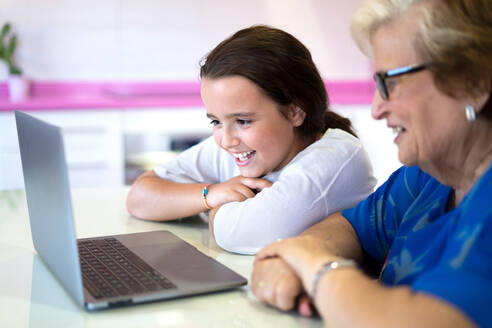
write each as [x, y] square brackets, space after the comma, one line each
[329, 266]
[204, 195]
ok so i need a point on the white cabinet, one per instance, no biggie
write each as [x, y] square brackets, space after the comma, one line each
[93, 145]
[179, 121]
[98, 142]
[153, 136]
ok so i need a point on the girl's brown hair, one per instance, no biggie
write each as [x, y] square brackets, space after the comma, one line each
[282, 67]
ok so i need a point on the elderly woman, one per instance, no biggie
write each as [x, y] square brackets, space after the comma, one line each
[427, 231]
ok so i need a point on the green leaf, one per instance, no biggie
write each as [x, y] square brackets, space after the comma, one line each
[14, 70]
[12, 45]
[4, 55]
[7, 49]
[5, 29]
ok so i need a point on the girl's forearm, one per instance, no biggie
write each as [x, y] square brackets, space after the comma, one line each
[153, 198]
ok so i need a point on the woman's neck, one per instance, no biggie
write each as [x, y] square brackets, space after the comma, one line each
[462, 169]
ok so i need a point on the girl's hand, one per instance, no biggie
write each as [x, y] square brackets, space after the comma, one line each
[236, 189]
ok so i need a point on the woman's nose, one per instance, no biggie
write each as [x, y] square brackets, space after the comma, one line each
[378, 107]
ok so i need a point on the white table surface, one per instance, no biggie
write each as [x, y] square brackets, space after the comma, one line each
[30, 296]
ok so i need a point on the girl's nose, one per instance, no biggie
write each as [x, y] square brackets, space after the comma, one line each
[229, 138]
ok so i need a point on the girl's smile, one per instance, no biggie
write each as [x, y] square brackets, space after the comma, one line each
[243, 159]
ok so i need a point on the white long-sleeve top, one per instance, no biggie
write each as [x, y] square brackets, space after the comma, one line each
[331, 174]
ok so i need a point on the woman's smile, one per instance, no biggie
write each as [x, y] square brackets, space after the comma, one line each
[397, 132]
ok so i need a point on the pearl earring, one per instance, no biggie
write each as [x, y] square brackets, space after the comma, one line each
[298, 122]
[470, 113]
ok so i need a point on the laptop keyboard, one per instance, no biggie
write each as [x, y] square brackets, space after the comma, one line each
[110, 269]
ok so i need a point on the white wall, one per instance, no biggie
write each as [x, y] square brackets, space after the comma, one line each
[164, 39]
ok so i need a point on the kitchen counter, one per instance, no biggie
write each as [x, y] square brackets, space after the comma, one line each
[118, 95]
[72, 95]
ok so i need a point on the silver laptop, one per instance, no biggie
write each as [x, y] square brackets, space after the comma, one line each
[110, 271]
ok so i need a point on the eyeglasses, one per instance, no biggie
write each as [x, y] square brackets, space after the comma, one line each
[380, 77]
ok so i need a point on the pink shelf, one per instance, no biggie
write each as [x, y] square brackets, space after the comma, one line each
[99, 95]
[350, 92]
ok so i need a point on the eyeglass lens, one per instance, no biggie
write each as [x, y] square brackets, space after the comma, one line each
[381, 86]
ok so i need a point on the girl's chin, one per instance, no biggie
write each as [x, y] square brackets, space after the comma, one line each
[250, 174]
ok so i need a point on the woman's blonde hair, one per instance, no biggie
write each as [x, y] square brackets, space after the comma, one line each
[455, 36]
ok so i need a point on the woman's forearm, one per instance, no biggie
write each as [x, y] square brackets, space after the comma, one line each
[339, 234]
[348, 298]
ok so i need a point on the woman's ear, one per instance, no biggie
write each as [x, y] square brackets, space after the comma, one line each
[296, 115]
[480, 101]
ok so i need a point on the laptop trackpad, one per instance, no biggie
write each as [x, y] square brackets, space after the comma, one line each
[177, 260]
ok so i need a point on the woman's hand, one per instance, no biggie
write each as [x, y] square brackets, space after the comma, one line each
[236, 189]
[304, 255]
[274, 283]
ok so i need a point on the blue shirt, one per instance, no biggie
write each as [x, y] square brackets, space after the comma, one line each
[404, 227]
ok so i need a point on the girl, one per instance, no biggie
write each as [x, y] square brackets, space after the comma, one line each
[278, 161]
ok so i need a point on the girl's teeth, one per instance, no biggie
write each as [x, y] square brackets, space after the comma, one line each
[243, 156]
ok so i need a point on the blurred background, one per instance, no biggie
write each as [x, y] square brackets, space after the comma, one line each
[121, 77]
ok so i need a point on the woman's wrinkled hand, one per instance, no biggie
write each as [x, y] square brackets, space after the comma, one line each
[275, 283]
[304, 255]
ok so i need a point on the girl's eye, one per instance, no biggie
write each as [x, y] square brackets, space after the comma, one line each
[243, 122]
[214, 122]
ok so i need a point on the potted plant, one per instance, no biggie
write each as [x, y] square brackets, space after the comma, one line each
[17, 83]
